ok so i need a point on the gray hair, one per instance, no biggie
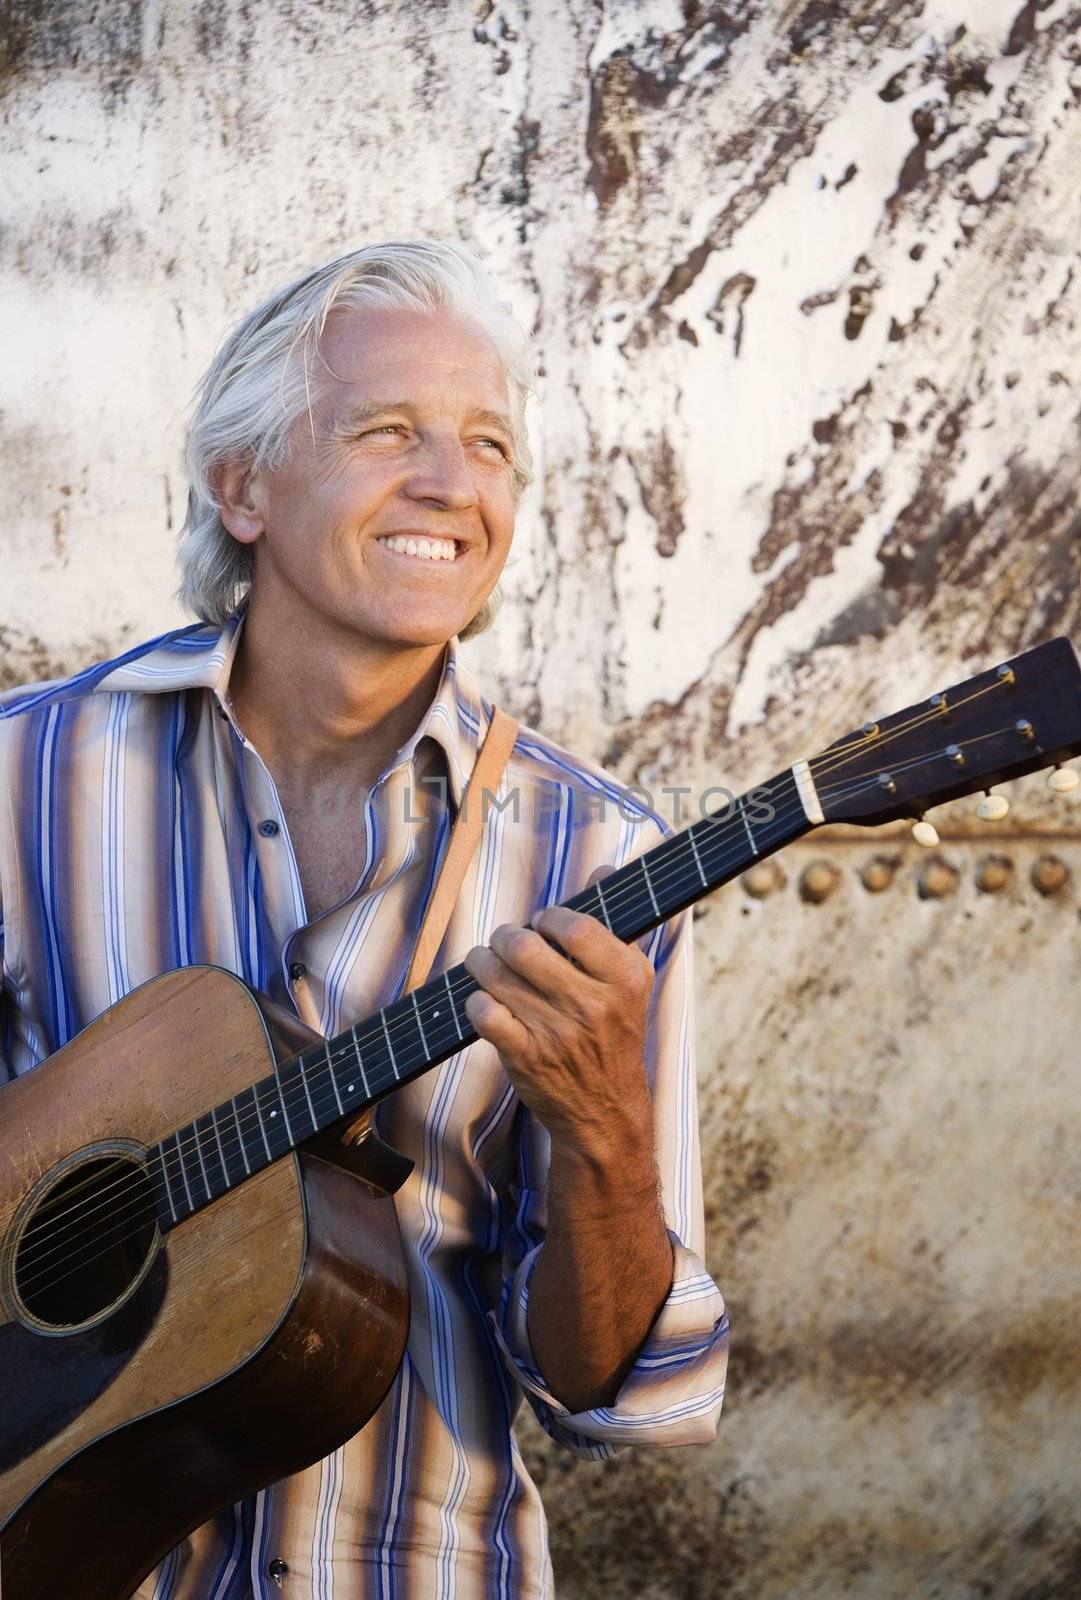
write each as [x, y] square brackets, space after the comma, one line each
[253, 391]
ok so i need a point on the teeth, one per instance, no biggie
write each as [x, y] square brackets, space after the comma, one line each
[424, 549]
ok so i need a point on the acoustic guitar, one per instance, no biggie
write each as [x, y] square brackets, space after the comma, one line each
[202, 1288]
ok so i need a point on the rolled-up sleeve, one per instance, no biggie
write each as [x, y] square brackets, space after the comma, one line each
[673, 1393]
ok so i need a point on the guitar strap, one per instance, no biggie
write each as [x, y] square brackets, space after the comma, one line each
[465, 835]
[464, 838]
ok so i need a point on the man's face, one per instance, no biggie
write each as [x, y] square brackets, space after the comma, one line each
[411, 440]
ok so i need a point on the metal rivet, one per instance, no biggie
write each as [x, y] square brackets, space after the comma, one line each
[937, 879]
[818, 881]
[762, 879]
[993, 873]
[1050, 874]
[878, 873]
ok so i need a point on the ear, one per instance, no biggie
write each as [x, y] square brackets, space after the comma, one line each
[239, 504]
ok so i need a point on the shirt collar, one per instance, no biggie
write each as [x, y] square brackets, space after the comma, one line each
[202, 656]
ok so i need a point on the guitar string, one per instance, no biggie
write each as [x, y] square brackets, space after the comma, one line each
[843, 755]
[314, 1084]
[319, 1082]
[344, 1056]
[405, 1027]
[234, 1143]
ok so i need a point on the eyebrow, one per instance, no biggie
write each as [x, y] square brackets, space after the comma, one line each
[357, 415]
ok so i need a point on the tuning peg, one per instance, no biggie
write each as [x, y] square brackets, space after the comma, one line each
[1063, 780]
[993, 808]
[925, 833]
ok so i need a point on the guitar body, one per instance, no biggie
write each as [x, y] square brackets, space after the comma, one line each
[160, 1381]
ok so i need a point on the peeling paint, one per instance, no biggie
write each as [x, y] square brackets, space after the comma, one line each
[804, 284]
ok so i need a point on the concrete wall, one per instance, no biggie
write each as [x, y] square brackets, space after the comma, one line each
[804, 281]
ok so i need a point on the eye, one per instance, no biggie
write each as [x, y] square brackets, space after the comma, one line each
[498, 444]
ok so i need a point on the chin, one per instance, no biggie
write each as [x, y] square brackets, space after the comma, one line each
[418, 632]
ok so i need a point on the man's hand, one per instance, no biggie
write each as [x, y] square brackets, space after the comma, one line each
[570, 1028]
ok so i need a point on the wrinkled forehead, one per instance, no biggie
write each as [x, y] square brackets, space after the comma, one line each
[443, 358]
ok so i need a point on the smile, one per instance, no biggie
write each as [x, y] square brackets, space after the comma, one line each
[421, 549]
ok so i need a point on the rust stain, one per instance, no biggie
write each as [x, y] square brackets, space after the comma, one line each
[661, 483]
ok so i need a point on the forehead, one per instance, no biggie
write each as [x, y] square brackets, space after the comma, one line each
[443, 359]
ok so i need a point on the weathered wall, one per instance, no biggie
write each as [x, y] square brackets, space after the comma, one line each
[804, 281]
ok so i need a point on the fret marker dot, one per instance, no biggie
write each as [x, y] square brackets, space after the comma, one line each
[435, 1013]
[349, 1088]
[273, 1113]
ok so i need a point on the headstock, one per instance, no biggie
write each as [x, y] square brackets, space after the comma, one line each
[1013, 719]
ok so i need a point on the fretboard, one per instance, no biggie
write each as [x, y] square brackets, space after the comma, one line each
[347, 1074]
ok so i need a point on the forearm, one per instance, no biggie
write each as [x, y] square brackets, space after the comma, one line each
[602, 1275]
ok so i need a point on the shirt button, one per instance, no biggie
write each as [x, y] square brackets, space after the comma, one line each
[277, 1570]
[296, 971]
[268, 828]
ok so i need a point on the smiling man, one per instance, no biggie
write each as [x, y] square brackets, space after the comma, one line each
[272, 790]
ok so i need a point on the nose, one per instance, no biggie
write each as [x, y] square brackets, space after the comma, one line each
[442, 475]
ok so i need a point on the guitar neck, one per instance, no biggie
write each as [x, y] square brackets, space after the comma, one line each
[346, 1075]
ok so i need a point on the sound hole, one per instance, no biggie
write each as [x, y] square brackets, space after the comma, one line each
[86, 1241]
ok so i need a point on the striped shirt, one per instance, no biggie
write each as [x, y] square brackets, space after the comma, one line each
[140, 831]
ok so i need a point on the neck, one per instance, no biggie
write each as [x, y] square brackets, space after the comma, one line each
[316, 699]
[345, 1075]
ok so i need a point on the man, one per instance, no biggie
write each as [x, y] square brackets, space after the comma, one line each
[272, 791]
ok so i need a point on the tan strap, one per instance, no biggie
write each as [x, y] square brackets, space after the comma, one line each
[465, 835]
[492, 757]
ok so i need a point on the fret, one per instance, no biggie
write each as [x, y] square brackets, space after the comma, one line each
[301, 1068]
[296, 1101]
[183, 1171]
[229, 1178]
[697, 857]
[649, 886]
[273, 1124]
[420, 1025]
[380, 1073]
[245, 1127]
[453, 1007]
[333, 1076]
[240, 1136]
[360, 1063]
[285, 1108]
[215, 1181]
[747, 825]
[604, 909]
[198, 1143]
[159, 1177]
[259, 1119]
[719, 842]
[390, 1045]
[438, 1023]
